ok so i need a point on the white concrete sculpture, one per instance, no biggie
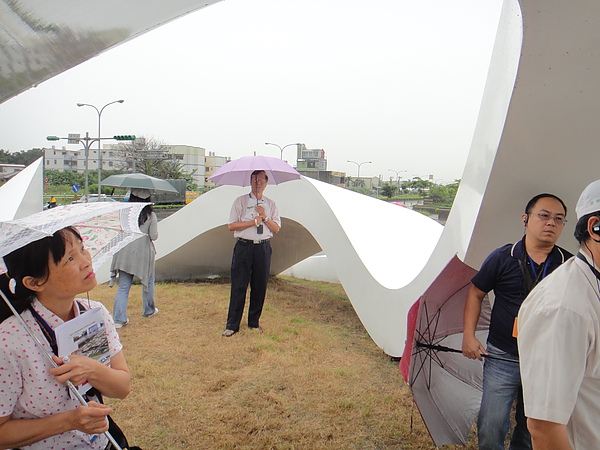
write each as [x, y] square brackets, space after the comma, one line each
[22, 194]
[536, 132]
[375, 248]
[39, 40]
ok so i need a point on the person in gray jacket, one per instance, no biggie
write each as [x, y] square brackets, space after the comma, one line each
[136, 260]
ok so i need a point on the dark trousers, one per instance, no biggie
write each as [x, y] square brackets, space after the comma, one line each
[251, 264]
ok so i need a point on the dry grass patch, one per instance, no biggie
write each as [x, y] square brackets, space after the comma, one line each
[313, 380]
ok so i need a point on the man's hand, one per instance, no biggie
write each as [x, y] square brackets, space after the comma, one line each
[260, 210]
[472, 348]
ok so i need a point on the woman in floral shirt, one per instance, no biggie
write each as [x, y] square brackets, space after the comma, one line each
[37, 410]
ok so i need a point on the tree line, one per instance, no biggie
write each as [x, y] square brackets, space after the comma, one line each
[439, 194]
[24, 157]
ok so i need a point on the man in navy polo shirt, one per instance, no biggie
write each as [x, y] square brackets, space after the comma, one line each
[511, 272]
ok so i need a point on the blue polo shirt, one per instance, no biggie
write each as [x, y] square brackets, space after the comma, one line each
[502, 273]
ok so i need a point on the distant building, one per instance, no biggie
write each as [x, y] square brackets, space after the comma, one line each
[65, 160]
[327, 176]
[211, 164]
[121, 156]
[7, 171]
[191, 158]
[310, 159]
[371, 183]
[74, 160]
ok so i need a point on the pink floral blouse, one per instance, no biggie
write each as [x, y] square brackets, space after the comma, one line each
[28, 391]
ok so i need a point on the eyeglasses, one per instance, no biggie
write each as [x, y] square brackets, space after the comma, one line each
[559, 220]
[260, 180]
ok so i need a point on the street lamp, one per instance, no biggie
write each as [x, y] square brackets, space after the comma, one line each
[281, 148]
[397, 177]
[99, 111]
[358, 165]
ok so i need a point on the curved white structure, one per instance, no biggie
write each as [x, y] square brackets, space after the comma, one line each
[22, 195]
[39, 40]
[375, 248]
[536, 132]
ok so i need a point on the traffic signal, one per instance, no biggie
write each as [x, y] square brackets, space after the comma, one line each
[125, 137]
[52, 138]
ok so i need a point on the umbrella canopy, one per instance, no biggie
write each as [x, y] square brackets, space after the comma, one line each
[237, 172]
[446, 386]
[105, 227]
[138, 180]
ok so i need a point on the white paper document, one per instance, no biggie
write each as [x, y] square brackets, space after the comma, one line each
[84, 335]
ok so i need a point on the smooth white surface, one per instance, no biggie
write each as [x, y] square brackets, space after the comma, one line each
[315, 268]
[22, 195]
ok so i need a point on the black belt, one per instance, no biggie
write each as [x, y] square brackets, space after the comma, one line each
[250, 241]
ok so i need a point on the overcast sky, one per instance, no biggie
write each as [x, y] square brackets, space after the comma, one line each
[395, 82]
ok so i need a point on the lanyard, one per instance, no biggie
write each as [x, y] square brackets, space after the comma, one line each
[46, 329]
[594, 270]
[544, 272]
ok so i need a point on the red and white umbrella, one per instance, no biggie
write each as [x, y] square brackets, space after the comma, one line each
[446, 386]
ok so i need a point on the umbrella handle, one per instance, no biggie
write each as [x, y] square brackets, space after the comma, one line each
[441, 348]
[70, 385]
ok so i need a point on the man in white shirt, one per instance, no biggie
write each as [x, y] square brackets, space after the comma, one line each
[254, 219]
[559, 343]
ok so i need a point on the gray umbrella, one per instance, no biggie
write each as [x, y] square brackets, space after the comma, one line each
[138, 180]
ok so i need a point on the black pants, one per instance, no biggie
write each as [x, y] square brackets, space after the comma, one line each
[251, 264]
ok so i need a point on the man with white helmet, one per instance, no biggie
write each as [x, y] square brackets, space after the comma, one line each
[559, 343]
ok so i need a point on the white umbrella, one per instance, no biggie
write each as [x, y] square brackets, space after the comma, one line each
[105, 227]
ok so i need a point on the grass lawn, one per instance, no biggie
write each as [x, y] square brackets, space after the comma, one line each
[312, 380]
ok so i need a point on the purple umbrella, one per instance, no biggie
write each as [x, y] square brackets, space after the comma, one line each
[237, 172]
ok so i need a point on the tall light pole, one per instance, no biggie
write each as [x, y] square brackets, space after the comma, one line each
[358, 165]
[397, 176]
[87, 143]
[99, 111]
[281, 148]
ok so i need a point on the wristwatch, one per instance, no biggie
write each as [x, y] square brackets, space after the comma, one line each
[265, 219]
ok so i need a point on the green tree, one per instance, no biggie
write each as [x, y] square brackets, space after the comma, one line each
[358, 183]
[64, 178]
[444, 194]
[24, 157]
[388, 190]
[439, 194]
[6, 157]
